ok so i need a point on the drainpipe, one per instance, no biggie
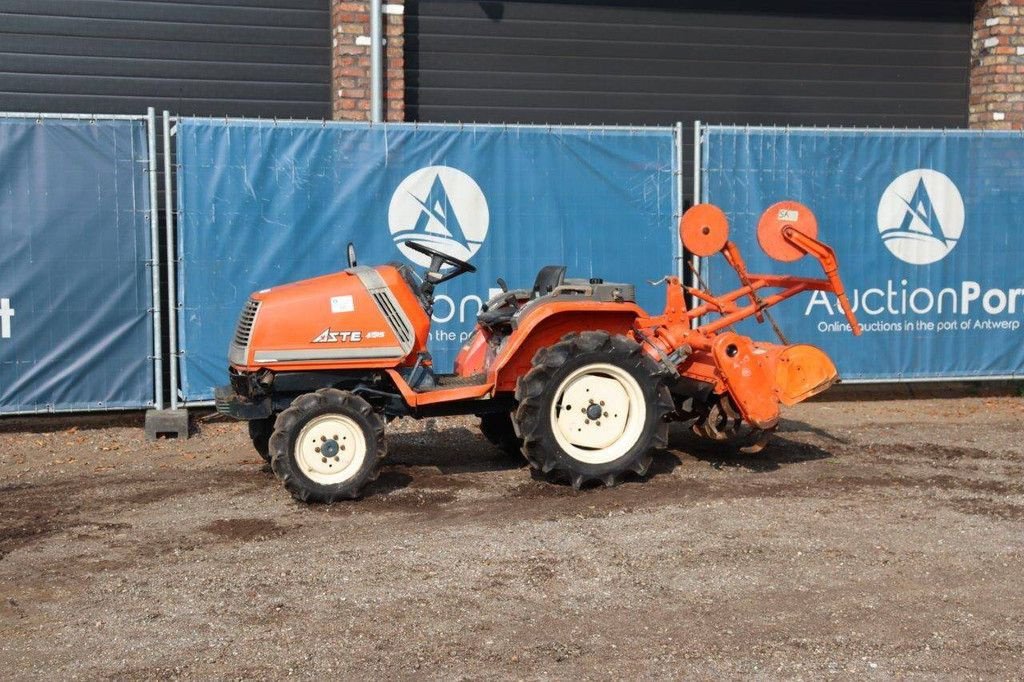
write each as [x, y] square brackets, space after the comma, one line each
[376, 63]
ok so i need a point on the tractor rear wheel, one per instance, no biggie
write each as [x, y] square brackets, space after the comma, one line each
[592, 408]
[498, 429]
[260, 431]
[327, 446]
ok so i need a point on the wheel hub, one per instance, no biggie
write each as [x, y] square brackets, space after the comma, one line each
[330, 449]
[598, 413]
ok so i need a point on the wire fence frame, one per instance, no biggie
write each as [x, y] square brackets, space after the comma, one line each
[42, 116]
[416, 125]
[170, 204]
[855, 129]
[171, 169]
[677, 162]
[701, 129]
[154, 244]
[152, 216]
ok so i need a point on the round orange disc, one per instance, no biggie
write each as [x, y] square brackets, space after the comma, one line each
[704, 229]
[775, 219]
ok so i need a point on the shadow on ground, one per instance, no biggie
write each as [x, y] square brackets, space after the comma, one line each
[52, 423]
[780, 452]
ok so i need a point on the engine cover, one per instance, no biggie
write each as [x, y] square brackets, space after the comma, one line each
[359, 318]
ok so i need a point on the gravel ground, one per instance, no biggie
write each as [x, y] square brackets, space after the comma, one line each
[882, 538]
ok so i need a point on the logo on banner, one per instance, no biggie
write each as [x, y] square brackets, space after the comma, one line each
[6, 313]
[442, 208]
[921, 216]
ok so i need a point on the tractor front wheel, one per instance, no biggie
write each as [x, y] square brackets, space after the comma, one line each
[327, 446]
[592, 408]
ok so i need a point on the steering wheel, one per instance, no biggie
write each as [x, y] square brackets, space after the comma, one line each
[461, 266]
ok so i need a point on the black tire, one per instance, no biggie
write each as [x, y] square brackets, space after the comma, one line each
[260, 431]
[290, 424]
[536, 392]
[497, 428]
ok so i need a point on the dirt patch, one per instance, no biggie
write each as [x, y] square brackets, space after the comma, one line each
[244, 530]
[999, 510]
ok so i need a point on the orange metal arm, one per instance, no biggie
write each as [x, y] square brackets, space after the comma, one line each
[674, 325]
[827, 257]
[733, 257]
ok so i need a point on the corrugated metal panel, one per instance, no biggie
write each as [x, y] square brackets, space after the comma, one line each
[813, 62]
[201, 57]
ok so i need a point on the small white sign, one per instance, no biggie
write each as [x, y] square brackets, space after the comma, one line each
[6, 313]
[342, 304]
[788, 215]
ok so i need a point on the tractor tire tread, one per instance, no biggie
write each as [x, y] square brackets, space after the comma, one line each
[286, 430]
[532, 387]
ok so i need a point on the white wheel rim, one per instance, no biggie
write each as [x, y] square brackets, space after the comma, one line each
[598, 413]
[330, 449]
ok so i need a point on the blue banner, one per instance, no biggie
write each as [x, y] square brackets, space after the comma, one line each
[926, 226]
[263, 203]
[75, 289]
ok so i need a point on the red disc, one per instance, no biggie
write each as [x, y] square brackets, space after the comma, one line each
[775, 219]
[704, 229]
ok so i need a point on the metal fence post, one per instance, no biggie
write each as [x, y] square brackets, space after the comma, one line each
[376, 62]
[680, 253]
[172, 255]
[154, 259]
[695, 260]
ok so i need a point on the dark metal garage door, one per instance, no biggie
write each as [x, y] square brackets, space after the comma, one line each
[813, 62]
[203, 57]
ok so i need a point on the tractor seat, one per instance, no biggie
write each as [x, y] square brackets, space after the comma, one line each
[497, 317]
[548, 279]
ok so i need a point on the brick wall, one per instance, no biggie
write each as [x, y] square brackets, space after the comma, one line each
[350, 74]
[997, 65]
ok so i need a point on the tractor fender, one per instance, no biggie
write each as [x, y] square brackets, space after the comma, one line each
[546, 324]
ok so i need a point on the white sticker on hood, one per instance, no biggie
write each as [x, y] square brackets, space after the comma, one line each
[342, 304]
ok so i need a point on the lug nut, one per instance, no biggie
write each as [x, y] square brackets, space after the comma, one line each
[602, 403]
[324, 460]
[586, 421]
[323, 439]
[317, 449]
[337, 459]
[605, 414]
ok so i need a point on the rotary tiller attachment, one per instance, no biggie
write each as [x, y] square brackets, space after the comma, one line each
[749, 380]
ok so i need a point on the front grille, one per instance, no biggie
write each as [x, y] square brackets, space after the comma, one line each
[396, 320]
[245, 321]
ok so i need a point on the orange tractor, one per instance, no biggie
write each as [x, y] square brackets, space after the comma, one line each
[572, 372]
